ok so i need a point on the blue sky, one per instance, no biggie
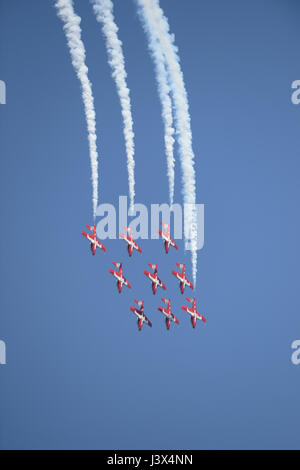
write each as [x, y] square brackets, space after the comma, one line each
[78, 372]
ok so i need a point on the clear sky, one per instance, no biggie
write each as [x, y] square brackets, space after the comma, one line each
[78, 372]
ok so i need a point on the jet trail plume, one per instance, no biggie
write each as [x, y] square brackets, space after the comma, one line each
[164, 90]
[72, 31]
[103, 10]
[157, 27]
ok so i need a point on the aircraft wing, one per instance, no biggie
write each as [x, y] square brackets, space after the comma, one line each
[175, 319]
[126, 283]
[136, 246]
[133, 310]
[173, 243]
[163, 310]
[99, 245]
[122, 235]
[177, 274]
[161, 284]
[146, 320]
[189, 284]
[200, 317]
[163, 235]
[86, 235]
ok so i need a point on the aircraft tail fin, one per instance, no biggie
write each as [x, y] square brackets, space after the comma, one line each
[153, 266]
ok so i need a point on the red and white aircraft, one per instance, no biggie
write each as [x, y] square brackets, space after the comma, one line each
[156, 282]
[195, 315]
[139, 312]
[182, 278]
[93, 239]
[119, 276]
[167, 311]
[166, 236]
[131, 243]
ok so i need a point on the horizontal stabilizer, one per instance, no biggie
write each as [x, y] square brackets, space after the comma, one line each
[139, 302]
[153, 266]
[180, 266]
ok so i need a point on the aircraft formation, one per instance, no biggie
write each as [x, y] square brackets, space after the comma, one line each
[156, 282]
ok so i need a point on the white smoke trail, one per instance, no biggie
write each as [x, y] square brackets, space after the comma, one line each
[157, 26]
[72, 31]
[166, 103]
[104, 14]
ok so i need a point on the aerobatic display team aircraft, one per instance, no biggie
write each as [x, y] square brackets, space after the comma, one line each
[195, 315]
[139, 312]
[182, 278]
[129, 239]
[156, 282]
[167, 312]
[93, 239]
[166, 236]
[119, 276]
[153, 276]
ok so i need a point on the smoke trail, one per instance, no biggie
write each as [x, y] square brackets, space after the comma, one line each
[72, 31]
[104, 14]
[166, 103]
[157, 26]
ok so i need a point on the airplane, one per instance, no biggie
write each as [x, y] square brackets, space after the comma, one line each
[139, 312]
[167, 311]
[182, 278]
[119, 276]
[93, 239]
[195, 315]
[166, 236]
[131, 243]
[156, 282]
